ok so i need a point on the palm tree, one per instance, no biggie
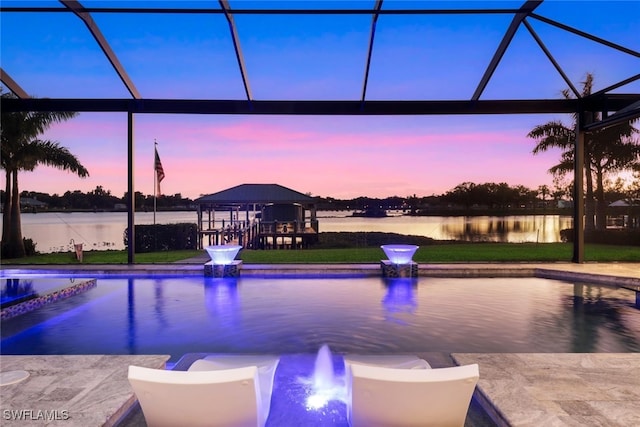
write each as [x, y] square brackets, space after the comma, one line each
[21, 150]
[543, 190]
[608, 150]
[621, 152]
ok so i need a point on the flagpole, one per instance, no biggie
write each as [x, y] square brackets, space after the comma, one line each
[155, 180]
[158, 176]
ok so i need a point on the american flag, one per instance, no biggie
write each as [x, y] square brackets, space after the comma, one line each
[159, 170]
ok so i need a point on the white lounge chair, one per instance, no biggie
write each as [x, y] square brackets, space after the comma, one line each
[384, 396]
[215, 391]
[398, 361]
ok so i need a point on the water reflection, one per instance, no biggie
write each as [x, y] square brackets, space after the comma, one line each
[593, 318]
[159, 302]
[103, 230]
[515, 229]
[221, 299]
[15, 290]
[131, 316]
[400, 298]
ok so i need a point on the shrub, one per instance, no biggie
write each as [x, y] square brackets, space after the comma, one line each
[361, 239]
[164, 237]
[29, 247]
[605, 237]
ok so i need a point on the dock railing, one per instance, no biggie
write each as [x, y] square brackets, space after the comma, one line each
[256, 234]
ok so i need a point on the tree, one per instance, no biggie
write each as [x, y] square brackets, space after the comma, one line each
[22, 150]
[412, 201]
[562, 189]
[633, 191]
[618, 151]
[607, 150]
[543, 190]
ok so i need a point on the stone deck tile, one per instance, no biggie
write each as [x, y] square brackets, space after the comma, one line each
[568, 389]
[78, 391]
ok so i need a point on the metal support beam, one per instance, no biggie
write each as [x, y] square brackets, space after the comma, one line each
[81, 12]
[524, 11]
[266, 11]
[586, 35]
[131, 202]
[578, 193]
[626, 114]
[609, 102]
[615, 86]
[374, 20]
[236, 45]
[552, 59]
[12, 85]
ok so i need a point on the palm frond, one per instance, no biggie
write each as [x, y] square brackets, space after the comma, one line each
[51, 153]
[553, 134]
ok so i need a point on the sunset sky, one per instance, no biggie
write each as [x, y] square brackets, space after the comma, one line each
[301, 57]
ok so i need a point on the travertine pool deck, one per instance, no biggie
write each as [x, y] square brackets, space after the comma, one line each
[532, 389]
[72, 391]
[546, 389]
[567, 389]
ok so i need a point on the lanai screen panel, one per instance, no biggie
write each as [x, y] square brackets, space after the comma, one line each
[316, 50]
[175, 56]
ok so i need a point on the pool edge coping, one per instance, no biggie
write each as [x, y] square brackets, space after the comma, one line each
[557, 271]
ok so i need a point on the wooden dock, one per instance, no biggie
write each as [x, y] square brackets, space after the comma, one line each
[262, 234]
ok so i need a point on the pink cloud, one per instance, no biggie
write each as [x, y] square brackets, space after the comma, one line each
[330, 156]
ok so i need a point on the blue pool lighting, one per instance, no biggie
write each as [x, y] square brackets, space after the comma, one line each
[181, 314]
[297, 401]
[325, 385]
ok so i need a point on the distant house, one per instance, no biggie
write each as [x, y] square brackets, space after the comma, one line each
[31, 205]
[624, 213]
[565, 204]
[625, 203]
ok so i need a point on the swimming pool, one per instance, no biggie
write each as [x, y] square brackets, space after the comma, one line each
[178, 315]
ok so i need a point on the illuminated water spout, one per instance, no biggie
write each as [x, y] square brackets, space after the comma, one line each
[325, 385]
[399, 254]
[223, 254]
[323, 373]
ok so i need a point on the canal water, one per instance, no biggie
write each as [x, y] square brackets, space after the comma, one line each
[57, 232]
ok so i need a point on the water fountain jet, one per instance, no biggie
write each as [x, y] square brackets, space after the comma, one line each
[323, 372]
[325, 385]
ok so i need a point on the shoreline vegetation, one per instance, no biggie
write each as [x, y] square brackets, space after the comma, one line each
[435, 211]
[361, 247]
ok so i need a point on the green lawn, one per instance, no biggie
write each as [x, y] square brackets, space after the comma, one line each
[105, 257]
[445, 253]
[462, 252]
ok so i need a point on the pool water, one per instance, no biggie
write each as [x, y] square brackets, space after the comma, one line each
[290, 404]
[179, 315]
[15, 291]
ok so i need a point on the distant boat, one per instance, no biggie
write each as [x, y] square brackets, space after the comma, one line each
[370, 213]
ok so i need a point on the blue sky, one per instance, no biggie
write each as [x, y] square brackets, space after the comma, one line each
[302, 57]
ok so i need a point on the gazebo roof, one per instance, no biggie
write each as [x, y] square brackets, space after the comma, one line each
[255, 193]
